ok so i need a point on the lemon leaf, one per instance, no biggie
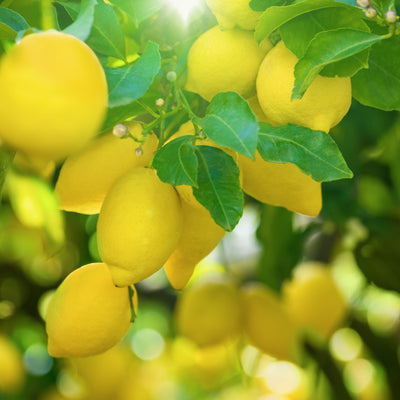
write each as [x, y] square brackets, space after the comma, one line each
[176, 162]
[82, 26]
[261, 5]
[230, 122]
[326, 48]
[218, 186]
[379, 85]
[127, 84]
[106, 35]
[274, 17]
[139, 10]
[314, 152]
[11, 23]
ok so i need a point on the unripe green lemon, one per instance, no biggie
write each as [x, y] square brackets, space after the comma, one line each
[313, 299]
[323, 105]
[208, 311]
[139, 225]
[53, 95]
[12, 372]
[87, 175]
[221, 61]
[266, 323]
[87, 314]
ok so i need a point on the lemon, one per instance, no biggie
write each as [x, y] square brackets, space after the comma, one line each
[283, 185]
[87, 314]
[221, 61]
[87, 175]
[323, 105]
[12, 372]
[208, 311]
[200, 235]
[313, 300]
[139, 226]
[266, 323]
[53, 95]
[234, 13]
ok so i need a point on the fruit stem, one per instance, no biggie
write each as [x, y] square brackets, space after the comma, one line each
[131, 292]
[47, 15]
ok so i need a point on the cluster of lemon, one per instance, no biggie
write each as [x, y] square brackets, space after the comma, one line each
[228, 58]
[213, 310]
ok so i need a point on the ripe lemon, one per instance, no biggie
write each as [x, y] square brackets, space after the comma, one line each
[87, 314]
[313, 299]
[266, 323]
[12, 372]
[87, 175]
[53, 95]
[200, 235]
[208, 311]
[221, 61]
[323, 105]
[139, 226]
[283, 185]
[234, 13]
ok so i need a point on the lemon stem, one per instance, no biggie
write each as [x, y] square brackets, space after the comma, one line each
[131, 292]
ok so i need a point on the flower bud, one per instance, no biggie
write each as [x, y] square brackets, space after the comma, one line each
[370, 12]
[391, 17]
[363, 3]
[120, 131]
[160, 102]
[139, 151]
[171, 76]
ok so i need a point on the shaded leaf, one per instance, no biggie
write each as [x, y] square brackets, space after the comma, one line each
[6, 158]
[261, 5]
[314, 152]
[11, 23]
[176, 162]
[230, 122]
[218, 186]
[328, 47]
[139, 10]
[82, 26]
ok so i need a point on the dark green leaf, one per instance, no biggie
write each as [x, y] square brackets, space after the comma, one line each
[274, 17]
[379, 85]
[218, 186]
[314, 152]
[176, 162]
[11, 23]
[139, 10]
[127, 84]
[6, 158]
[261, 5]
[230, 122]
[328, 47]
[82, 26]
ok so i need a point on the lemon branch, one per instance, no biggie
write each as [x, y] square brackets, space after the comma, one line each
[131, 292]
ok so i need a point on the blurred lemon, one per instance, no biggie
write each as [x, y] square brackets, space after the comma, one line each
[87, 314]
[139, 226]
[323, 105]
[12, 372]
[54, 95]
[86, 176]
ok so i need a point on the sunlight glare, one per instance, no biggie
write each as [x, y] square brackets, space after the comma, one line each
[184, 7]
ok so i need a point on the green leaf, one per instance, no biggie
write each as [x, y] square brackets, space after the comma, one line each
[274, 17]
[314, 152]
[218, 186]
[230, 122]
[139, 10]
[11, 23]
[298, 33]
[176, 162]
[328, 47]
[379, 85]
[82, 26]
[261, 5]
[6, 158]
[127, 84]
[106, 36]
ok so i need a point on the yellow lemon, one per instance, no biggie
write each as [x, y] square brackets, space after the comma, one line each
[283, 185]
[200, 235]
[53, 95]
[139, 225]
[221, 61]
[323, 105]
[313, 300]
[266, 323]
[87, 314]
[208, 311]
[87, 175]
[12, 372]
[234, 13]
